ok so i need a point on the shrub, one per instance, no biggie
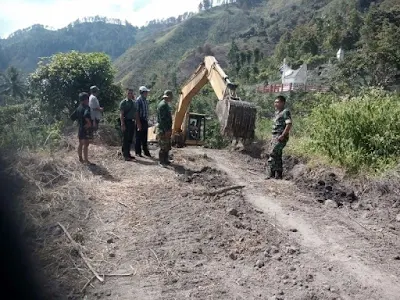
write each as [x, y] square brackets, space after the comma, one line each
[359, 133]
[19, 128]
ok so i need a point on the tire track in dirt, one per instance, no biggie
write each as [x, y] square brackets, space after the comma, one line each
[357, 277]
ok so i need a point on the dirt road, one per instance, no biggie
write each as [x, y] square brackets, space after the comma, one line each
[163, 233]
[365, 262]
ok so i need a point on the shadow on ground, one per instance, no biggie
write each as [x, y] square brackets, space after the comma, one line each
[103, 172]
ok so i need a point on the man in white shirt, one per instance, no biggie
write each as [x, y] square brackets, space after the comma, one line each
[95, 109]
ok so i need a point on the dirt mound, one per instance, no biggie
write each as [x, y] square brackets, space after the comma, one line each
[325, 185]
[255, 149]
[211, 178]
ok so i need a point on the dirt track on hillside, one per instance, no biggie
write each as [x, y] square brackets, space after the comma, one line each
[172, 240]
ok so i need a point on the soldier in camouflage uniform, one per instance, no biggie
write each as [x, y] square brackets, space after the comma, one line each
[280, 137]
[164, 130]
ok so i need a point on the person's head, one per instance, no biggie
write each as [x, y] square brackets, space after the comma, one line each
[84, 98]
[143, 91]
[167, 95]
[94, 90]
[280, 102]
[129, 93]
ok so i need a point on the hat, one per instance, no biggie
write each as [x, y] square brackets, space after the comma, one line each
[143, 89]
[94, 88]
[83, 96]
[167, 94]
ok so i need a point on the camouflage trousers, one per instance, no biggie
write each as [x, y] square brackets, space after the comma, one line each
[275, 161]
[164, 141]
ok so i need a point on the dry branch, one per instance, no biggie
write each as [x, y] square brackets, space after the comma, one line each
[77, 246]
[225, 189]
[123, 204]
[87, 283]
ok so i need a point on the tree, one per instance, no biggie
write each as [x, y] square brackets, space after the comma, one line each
[232, 54]
[58, 83]
[11, 84]
[257, 55]
[377, 61]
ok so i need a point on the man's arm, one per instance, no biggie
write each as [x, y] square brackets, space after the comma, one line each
[95, 105]
[122, 115]
[288, 121]
[138, 109]
[87, 118]
[161, 122]
[138, 123]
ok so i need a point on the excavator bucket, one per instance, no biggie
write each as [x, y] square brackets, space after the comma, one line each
[237, 118]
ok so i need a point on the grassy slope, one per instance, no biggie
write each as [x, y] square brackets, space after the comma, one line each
[159, 58]
[161, 53]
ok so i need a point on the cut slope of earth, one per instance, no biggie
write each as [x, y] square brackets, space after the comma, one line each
[173, 240]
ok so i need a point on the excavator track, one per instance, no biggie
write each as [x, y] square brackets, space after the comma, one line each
[237, 118]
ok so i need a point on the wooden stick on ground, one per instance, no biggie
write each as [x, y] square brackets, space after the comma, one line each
[87, 283]
[225, 189]
[76, 245]
[123, 204]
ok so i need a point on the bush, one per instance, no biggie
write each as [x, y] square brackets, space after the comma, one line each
[214, 138]
[359, 133]
[20, 129]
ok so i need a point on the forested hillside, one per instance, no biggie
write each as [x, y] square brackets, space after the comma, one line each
[168, 57]
[251, 38]
[24, 47]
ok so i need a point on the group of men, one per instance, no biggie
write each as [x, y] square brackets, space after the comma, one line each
[133, 120]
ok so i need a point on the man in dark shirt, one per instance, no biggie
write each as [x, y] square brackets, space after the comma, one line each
[164, 118]
[142, 124]
[85, 127]
[128, 117]
[280, 136]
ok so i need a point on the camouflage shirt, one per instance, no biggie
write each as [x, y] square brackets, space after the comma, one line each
[282, 118]
[164, 117]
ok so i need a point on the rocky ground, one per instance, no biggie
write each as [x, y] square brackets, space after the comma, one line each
[176, 233]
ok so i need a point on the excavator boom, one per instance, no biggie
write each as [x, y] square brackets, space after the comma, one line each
[237, 117]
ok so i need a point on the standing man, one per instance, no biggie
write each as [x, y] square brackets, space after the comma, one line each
[142, 125]
[280, 137]
[164, 118]
[95, 109]
[128, 117]
[85, 127]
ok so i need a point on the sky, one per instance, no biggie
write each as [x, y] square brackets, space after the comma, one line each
[19, 14]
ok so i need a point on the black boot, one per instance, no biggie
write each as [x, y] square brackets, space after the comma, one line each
[166, 159]
[161, 158]
[279, 175]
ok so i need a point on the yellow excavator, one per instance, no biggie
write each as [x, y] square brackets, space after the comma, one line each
[237, 118]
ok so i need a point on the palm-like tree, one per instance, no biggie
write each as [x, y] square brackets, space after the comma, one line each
[11, 84]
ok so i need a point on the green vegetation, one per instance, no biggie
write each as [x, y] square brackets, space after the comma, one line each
[359, 133]
[53, 94]
[57, 84]
[21, 126]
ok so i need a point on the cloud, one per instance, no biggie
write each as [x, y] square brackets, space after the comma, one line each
[18, 14]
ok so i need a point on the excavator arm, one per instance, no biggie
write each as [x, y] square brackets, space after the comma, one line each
[237, 117]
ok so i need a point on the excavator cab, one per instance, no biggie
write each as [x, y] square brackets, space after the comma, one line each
[195, 129]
